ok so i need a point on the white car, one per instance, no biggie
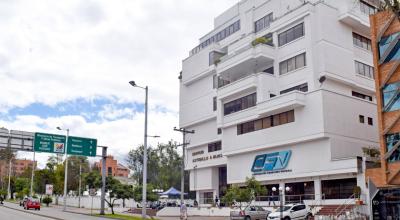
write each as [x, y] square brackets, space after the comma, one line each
[289, 212]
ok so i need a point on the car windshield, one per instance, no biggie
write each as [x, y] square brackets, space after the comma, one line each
[284, 208]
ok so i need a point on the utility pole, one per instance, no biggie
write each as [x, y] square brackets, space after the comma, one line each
[33, 173]
[9, 167]
[80, 184]
[103, 180]
[184, 132]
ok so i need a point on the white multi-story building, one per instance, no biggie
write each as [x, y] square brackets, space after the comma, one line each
[282, 90]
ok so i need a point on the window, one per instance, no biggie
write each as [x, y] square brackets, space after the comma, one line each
[240, 104]
[267, 122]
[215, 104]
[219, 131]
[362, 41]
[263, 22]
[216, 146]
[292, 63]
[269, 70]
[370, 121]
[361, 96]
[109, 171]
[367, 8]
[384, 45]
[215, 81]
[391, 96]
[391, 140]
[291, 34]
[361, 118]
[364, 69]
[338, 189]
[302, 88]
[214, 57]
[231, 29]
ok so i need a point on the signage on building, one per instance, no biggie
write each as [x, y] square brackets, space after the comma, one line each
[205, 158]
[49, 189]
[271, 163]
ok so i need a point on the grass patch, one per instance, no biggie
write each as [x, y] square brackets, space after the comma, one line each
[123, 217]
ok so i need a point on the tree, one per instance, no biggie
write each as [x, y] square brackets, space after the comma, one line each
[47, 200]
[150, 195]
[245, 195]
[116, 191]
[163, 165]
[92, 179]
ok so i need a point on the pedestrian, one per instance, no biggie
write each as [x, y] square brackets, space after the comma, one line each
[217, 201]
[1, 200]
[195, 203]
[183, 211]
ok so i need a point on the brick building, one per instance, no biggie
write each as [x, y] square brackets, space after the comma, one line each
[385, 35]
[113, 167]
[18, 167]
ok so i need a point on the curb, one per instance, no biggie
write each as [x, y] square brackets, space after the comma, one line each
[41, 215]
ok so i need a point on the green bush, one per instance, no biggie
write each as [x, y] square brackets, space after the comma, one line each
[47, 200]
[260, 40]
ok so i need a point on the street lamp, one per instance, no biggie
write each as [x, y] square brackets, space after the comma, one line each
[144, 188]
[287, 189]
[66, 168]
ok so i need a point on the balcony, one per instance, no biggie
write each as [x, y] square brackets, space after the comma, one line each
[245, 59]
[352, 15]
[281, 103]
[241, 85]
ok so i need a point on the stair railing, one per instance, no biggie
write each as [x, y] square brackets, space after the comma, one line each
[339, 210]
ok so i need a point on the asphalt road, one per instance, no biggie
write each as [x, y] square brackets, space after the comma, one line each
[18, 212]
[7, 213]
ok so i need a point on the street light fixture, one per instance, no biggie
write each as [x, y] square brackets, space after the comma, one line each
[144, 188]
[287, 189]
[66, 168]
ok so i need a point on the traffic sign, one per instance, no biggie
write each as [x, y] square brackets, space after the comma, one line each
[49, 143]
[82, 146]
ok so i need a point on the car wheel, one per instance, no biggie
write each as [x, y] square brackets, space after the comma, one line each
[286, 218]
[247, 218]
[309, 216]
[38, 209]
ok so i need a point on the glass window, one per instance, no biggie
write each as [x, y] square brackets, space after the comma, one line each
[370, 121]
[240, 104]
[291, 34]
[303, 88]
[361, 118]
[391, 140]
[362, 96]
[384, 44]
[391, 95]
[292, 63]
[266, 122]
[214, 103]
[258, 125]
[367, 8]
[364, 69]
[263, 22]
[338, 189]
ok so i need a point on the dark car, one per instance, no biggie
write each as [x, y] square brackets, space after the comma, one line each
[22, 202]
[32, 204]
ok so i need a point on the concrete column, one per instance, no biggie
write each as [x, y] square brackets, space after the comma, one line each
[198, 196]
[317, 189]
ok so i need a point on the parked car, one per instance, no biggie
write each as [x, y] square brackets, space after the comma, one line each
[32, 204]
[22, 202]
[292, 211]
[250, 213]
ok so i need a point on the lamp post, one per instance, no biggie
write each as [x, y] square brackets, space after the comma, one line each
[66, 168]
[144, 188]
[287, 189]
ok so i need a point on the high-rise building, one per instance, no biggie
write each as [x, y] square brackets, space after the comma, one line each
[282, 90]
[385, 31]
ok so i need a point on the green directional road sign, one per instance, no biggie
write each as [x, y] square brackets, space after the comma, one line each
[49, 143]
[82, 146]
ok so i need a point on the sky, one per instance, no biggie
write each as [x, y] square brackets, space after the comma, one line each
[67, 63]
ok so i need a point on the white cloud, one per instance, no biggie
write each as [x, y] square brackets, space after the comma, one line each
[59, 51]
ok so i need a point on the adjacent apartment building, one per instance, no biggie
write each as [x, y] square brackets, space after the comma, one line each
[385, 30]
[282, 90]
[113, 168]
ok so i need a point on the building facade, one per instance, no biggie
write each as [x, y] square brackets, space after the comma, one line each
[282, 90]
[113, 168]
[18, 167]
[385, 31]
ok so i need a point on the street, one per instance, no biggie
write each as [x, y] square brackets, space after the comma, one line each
[14, 211]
